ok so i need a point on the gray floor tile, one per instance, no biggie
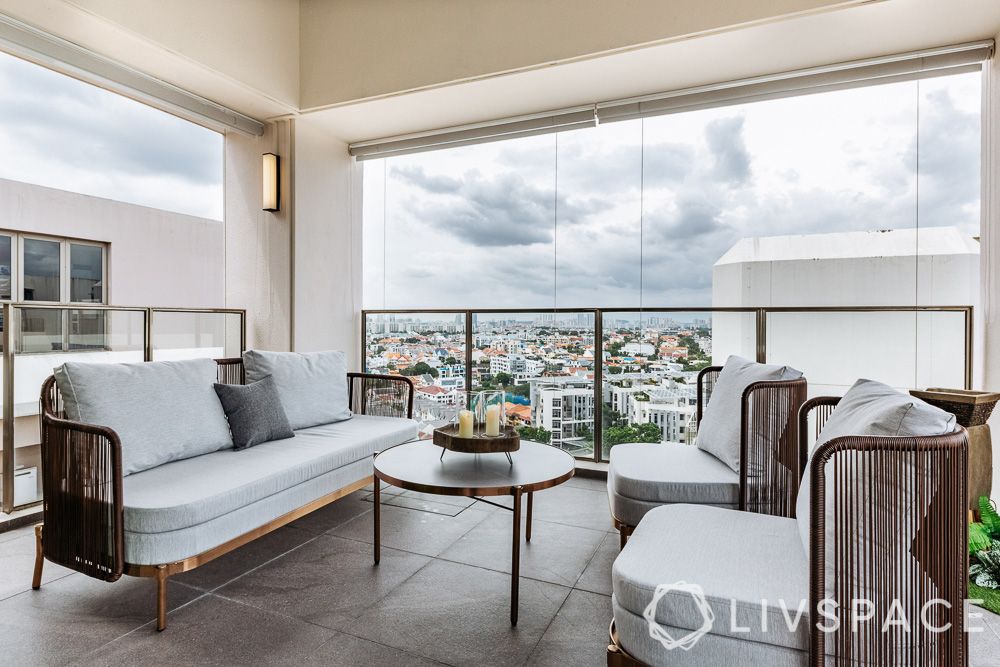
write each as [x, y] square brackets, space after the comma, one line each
[8, 535]
[213, 631]
[458, 501]
[557, 553]
[589, 483]
[460, 615]
[76, 614]
[574, 506]
[236, 563]
[328, 581]
[579, 633]
[984, 649]
[343, 650]
[17, 564]
[422, 505]
[597, 577]
[335, 514]
[412, 530]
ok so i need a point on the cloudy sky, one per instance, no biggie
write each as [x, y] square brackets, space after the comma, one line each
[636, 213]
[62, 133]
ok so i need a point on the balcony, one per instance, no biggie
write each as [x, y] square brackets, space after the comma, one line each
[644, 377]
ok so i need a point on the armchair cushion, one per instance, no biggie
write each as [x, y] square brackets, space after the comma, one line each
[312, 385]
[870, 408]
[719, 431]
[643, 476]
[162, 411]
[747, 565]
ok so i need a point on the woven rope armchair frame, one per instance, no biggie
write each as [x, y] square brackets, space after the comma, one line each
[887, 525]
[83, 505]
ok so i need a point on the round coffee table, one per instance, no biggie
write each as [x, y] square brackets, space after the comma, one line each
[417, 466]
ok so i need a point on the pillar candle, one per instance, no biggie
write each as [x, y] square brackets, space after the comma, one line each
[465, 424]
[493, 420]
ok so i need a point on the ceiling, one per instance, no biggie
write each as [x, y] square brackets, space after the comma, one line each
[856, 32]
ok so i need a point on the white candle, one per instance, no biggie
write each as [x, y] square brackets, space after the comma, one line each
[465, 424]
[493, 420]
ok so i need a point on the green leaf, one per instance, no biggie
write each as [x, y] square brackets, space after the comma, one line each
[979, 538]
[989, 517]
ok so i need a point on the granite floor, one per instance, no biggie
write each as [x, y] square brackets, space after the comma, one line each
[309, 594]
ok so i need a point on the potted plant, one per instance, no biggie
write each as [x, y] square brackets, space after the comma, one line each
[984, 552]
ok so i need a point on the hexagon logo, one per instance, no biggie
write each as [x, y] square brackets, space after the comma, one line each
[660, 634]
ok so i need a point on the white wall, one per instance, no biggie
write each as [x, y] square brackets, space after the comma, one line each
[157, 258]
[327, 250]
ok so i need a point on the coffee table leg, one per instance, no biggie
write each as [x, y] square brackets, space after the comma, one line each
[527, 521]
[515, 563]
[378, 519]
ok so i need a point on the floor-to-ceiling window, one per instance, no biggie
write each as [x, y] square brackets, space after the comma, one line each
[840, 213]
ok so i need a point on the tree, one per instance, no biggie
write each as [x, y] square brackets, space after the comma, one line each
[502, 379]
[617, 435]
[522, 390]
[451, 361]
[536, 433]
[420, 368]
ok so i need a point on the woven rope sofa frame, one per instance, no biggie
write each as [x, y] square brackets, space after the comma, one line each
[83, 509]
[769, 444]
[924, 480]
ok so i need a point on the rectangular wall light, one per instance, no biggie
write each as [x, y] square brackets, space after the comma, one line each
[270, 187]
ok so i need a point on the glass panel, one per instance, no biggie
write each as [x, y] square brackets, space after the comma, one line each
[86, 273]
[94, 337]
[598, 236]
[651, 364]
[429, 348]
[74, 136]
[5, 267]
[42, 270]
[545, 363]
[903, 349]
[186, 335]
[470, 226]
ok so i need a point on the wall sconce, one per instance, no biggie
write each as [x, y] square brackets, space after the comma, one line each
[271, 190]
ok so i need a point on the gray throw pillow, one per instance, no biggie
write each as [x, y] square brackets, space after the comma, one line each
[254, 412]
[161, 410]
[312, 385]
[719, 431]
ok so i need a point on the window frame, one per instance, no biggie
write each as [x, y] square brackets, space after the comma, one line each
[65, 267]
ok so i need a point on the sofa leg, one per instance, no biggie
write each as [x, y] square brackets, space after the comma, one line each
[622, 537]
[161, 598]
[36, 577]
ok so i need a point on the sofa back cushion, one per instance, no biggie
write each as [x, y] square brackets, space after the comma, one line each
[719, 431]
[312, 385]
[162, 410]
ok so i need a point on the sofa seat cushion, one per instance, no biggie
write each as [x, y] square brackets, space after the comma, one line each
[641, 476]
[750, 563]
[190, 492]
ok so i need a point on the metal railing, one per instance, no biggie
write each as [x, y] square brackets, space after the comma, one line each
[760, 317]
[38, 337]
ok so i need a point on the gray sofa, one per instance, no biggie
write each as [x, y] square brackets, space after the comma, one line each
[879, 519]
[139, 472]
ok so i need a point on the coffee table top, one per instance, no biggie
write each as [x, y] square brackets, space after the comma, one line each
[418, 466]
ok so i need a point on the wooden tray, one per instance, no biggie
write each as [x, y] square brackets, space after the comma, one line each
[507, 441]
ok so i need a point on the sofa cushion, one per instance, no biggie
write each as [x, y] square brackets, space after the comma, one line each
[719, 431]
[643, 475]
[874, 409]
[746, 563]
[254, 412]
[190, 492]
[162, 411]
[312, 385]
